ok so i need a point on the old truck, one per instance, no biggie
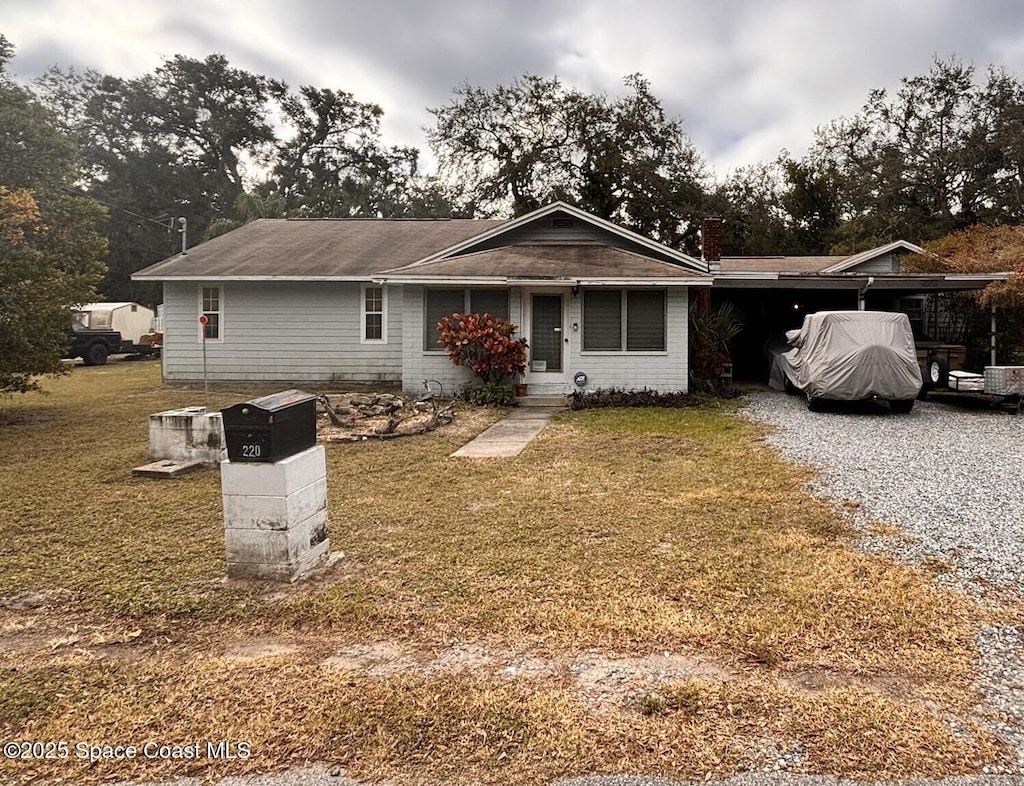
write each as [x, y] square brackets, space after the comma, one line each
[103, 329]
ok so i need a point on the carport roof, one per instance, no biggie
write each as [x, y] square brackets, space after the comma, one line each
[779, 264]
[854, 271]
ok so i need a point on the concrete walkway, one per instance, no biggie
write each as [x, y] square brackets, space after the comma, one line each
[510, 435]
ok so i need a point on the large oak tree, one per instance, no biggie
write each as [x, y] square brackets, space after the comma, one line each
[513, 148]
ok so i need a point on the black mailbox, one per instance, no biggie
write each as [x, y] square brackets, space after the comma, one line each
[271, 428]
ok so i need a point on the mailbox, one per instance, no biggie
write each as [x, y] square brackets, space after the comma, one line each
[271, 428]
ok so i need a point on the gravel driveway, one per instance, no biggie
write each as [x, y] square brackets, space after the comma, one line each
[952, 480]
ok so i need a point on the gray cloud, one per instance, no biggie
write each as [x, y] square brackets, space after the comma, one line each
[748, 77]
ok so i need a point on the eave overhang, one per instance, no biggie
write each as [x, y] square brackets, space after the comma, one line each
[512, 281]
[932, 282]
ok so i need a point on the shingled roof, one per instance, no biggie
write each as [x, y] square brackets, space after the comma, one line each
[285, 249]
[779, 264]
[577, 260]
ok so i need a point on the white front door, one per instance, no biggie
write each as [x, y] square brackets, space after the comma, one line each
[547, 337]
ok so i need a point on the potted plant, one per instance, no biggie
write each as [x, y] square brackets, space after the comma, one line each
[521, 387]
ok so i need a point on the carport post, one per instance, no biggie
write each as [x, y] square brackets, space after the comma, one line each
[993, 338]
[862, 294]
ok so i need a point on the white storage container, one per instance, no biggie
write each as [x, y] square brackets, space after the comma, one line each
[966, 381]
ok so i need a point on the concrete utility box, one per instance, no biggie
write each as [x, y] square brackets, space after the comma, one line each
[275, 516]
[189, 434]
[271, 428]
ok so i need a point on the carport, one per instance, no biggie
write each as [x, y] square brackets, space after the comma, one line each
[774, 294]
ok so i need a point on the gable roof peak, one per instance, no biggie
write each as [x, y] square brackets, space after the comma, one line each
[575, 212]
[871, 253]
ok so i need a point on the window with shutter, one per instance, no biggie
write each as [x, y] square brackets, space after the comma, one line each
[641, 312]
[645, 320]
[439, 303]
[602, 320]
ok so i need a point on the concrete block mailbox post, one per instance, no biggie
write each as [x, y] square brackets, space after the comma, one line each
[274, 488]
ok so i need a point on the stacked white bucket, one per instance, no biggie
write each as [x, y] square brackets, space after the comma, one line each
[275, 516]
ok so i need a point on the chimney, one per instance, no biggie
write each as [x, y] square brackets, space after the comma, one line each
[711, 243]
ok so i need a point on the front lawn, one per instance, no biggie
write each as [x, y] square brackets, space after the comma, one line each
[640, 591]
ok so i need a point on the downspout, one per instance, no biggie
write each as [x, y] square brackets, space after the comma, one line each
[862, 293]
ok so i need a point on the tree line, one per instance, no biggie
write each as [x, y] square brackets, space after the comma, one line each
[110, 164]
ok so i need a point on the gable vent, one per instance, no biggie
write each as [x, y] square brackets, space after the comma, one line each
[563, 223]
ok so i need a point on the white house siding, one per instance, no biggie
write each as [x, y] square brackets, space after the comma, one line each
[281, 331]
[667, 371]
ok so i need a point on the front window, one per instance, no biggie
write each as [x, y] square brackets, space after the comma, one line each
[440, 303]
[211, 307]
[602, 320]
[645, 320]
[489, 301]
[630, 320]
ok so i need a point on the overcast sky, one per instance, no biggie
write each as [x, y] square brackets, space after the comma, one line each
[747, 77]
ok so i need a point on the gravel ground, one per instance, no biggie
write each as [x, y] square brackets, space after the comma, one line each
[953, 481]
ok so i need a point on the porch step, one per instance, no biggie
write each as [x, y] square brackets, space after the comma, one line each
[542, 401]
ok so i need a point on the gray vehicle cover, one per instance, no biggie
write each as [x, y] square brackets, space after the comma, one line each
[850, 355]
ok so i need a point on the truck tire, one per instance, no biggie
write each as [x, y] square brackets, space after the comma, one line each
[96, 354]
[938, 373]
[813, 403]
[901, 406]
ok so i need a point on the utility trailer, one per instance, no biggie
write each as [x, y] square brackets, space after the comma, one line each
[1001, 386]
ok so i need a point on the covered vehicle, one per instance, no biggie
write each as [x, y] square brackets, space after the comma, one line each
[849, 356]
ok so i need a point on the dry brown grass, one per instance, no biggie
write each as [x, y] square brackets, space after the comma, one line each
[615, 535]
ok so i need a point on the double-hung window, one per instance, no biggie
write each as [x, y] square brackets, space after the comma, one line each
[373, 313]
[211, 306]
[624, 320]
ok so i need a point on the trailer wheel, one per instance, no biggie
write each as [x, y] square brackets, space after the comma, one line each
[96, 354]
[901, 406]
[938, 373]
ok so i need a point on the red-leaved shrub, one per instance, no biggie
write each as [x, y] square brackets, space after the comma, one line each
[485, 344]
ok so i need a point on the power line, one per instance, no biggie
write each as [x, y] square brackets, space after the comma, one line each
[78, 192]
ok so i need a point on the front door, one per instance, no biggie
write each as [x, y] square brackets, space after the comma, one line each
[546, 334]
